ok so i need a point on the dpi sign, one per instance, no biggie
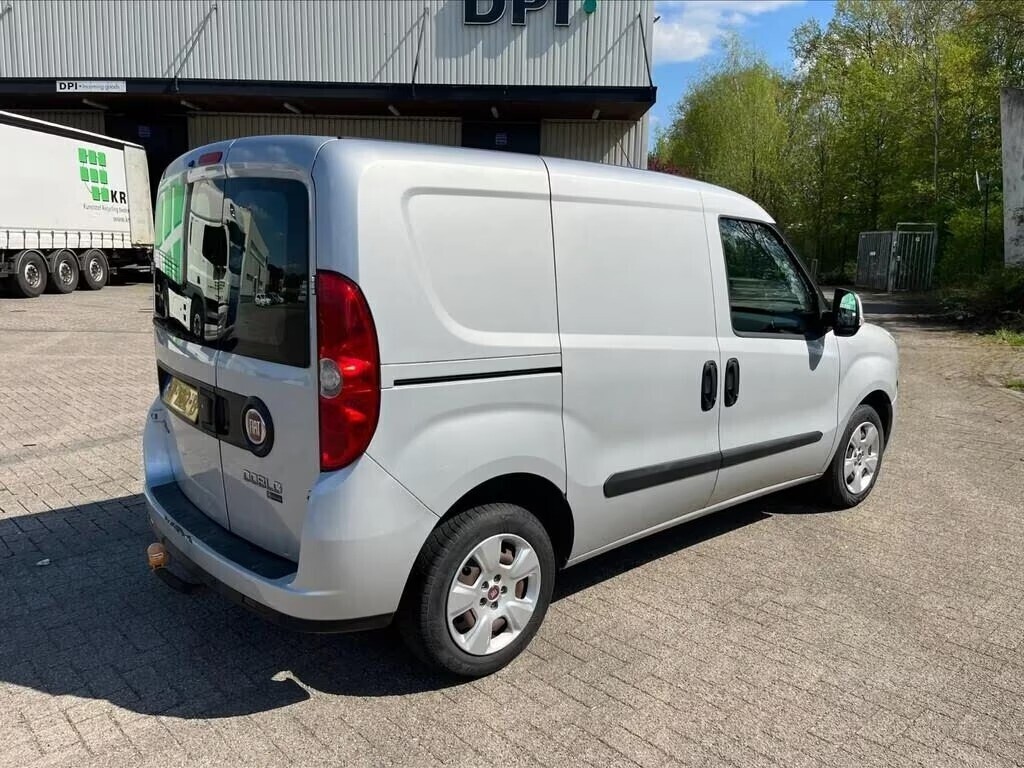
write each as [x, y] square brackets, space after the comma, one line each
[491, 11]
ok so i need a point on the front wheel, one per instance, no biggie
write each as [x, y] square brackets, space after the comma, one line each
[30, 278]
[854, 469]
[479, 590]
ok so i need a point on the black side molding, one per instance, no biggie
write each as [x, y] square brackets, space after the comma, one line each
[669, 472]
[476, 376]
[658, 474]
[734, 456]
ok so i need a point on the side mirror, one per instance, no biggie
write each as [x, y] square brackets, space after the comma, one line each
[847, 313]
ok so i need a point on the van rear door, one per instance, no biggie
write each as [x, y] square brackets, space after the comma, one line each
[185, 341]
[265, 379]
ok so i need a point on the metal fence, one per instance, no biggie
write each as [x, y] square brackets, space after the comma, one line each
[897, 260]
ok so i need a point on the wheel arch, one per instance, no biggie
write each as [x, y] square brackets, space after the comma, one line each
[532, 492]
[880, 401]
[51, 258]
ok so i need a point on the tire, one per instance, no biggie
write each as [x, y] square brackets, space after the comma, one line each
[846, 483]
[448, 561]
[65, 273]
[196, 319]
[95, 269]
[30, 278]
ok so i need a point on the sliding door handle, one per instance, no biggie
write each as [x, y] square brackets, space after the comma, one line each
[732, 382]
[709, 386]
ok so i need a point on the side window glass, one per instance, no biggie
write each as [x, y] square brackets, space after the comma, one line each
[768, 292]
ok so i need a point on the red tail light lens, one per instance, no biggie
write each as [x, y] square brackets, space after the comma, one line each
[349, 370]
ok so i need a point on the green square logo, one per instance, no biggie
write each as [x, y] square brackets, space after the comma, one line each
[94, 176]
[83, 172]
[103, 176]
[92, 157]
[95, 192]
[105, 194]
[83, 155]
[101, 158]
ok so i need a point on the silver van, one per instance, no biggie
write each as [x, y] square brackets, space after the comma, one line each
[483, 368]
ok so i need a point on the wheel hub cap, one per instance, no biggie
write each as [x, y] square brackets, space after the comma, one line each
[32, 275]
[493, 594]
[95, 269]
[65, 272]
[861, 459]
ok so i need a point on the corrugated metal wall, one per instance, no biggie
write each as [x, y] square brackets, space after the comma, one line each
[204, 129]
[356, 41]
[600, 141]
[84, 120]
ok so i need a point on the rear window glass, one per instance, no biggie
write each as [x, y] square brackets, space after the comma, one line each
[232, 263]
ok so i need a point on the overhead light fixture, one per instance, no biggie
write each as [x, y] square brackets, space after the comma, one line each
[292, 108]
[595, 114]
[494, 112]
[94, 104]
[189, 105]
[394, 110]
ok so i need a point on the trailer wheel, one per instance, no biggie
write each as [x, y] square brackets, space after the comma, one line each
[197, 318]
[30, 277]
[64, 271]
[95, 270]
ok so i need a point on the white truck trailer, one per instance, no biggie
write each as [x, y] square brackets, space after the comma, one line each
[75, 208]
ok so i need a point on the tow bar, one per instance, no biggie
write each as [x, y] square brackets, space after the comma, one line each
[159, 558]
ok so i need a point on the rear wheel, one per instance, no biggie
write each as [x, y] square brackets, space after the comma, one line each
[64, 275]
[95, 271]
[30, 279]
[479, 590]
[854, 468]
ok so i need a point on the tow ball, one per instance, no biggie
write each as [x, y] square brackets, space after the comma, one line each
[159, 558]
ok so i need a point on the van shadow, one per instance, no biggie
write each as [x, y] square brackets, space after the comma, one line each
[82, 616]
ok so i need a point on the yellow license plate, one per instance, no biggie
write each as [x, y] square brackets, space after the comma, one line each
[183, 399]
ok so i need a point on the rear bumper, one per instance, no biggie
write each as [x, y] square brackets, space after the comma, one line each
[178, 558]
[361, 535]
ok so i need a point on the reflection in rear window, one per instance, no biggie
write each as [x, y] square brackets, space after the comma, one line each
[232, 265]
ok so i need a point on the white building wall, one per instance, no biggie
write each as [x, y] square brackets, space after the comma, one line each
[205, 129]
[601, 141]
[355, 41]
[606, 141]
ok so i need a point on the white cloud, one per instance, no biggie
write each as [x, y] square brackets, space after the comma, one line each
[689, 29]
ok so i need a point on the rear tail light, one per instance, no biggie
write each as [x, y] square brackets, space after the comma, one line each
[349, 370]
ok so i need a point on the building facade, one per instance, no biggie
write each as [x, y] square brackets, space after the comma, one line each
[569, 78]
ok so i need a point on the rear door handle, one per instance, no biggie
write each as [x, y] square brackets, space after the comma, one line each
[709, 386]
[732, 382]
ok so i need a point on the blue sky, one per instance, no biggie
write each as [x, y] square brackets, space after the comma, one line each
[689, 35]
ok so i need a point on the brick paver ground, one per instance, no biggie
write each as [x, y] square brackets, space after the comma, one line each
[770, 635]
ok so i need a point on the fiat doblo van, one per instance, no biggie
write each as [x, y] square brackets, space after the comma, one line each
[484, 367]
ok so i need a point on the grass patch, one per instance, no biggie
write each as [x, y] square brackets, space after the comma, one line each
[1016, 385]
[1011, 337]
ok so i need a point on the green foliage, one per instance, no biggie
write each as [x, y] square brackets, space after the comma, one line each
[997, 297]
[891, 110]
[1016, 385]
[1011, 337]
[968, 251]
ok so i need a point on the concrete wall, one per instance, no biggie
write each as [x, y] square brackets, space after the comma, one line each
[314, 41]
[1012, 118]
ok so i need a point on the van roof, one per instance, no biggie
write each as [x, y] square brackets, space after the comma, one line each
[303, 149]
